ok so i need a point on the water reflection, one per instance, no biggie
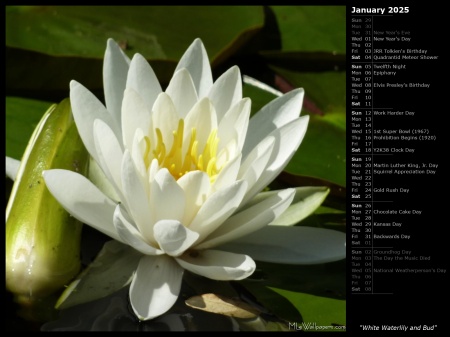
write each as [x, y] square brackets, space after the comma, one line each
[114, 313]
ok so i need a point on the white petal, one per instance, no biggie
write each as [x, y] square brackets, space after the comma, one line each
[166, 197]
[82, 199]
[165, 117]
[228, 174]
[109, 154]
[307, 199]
[203, 118]
[218, 207]
[237, 118]
[137, 197]
[86, 108]
[218, 265]
[155, 286]
[115, 69]
[256, 161]
[135, 114]
[291, 135]
[261, 85]
[98, 178]
[291, 245]
[130, 235]
[195, 60]
[182, 91]
[138, 152]
[173, 238]
[287, 141]
[152, 170]
[275, 114]
[196, 187]
[12, 167]
[143, 80]
[228, 151]
[251, 219]
[226, 91]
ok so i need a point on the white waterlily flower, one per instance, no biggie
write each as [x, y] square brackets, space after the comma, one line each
[183, 167]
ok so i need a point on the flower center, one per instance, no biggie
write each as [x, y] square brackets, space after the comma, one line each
[180, 161]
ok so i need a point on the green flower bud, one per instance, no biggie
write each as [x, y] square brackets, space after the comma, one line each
[42, 239]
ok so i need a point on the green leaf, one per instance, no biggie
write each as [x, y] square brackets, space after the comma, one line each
[312, 28]
[305, 61]
[50, 45]
[153, 31]
[314, 293]
[319, 313]
[274, 303]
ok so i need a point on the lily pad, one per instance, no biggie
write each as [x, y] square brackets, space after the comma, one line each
[50, 45]
[312, 28]
[317, 292]
[153, 31]
[319, 313]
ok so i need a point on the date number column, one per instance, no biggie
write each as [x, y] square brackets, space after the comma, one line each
[361, 125]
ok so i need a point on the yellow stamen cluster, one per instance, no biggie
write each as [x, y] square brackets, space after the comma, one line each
[180, 162]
